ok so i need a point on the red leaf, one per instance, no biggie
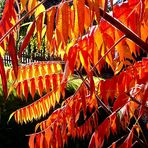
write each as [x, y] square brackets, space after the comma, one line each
[47, 83]
[40, 85]
[37, 138]
[70, 64]
[26, 39]
[120, 101]
[3, 76]
[13, 54]
[48, 135]
[59, 137]
[39, 25]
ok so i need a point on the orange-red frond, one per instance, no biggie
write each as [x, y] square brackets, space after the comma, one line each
[37, 109]
[36, 69]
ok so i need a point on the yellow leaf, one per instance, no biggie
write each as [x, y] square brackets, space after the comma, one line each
[39, 10]
[23, 5]
[98, 38]
[2, 52]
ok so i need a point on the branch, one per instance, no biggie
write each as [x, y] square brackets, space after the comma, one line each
[129, 33]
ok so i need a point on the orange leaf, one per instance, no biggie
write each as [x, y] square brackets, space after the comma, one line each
[50, 24]
[41, 141]
[72, 55]
[18, 90]
[48, 135]
[62, 20]
[31, 141]
[87, 18]
[31, 4]
[32, 87]
[23, 5]
[47, 83]
[79, 17]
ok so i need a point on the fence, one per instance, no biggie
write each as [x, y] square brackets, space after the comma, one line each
[27, 58]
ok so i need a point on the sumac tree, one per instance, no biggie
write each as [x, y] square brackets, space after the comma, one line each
[89, 40]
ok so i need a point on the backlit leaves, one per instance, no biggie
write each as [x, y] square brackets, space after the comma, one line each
[39, 84]
[76, 33]
[36, 69]
[118, 85]
[37, 109]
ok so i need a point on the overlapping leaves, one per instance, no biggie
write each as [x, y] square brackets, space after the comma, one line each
[80, 44]
[65, 119]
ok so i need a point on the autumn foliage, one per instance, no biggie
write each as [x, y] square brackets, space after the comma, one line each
[88, 38]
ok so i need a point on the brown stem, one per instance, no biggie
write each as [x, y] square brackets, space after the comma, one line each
[129, 34]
